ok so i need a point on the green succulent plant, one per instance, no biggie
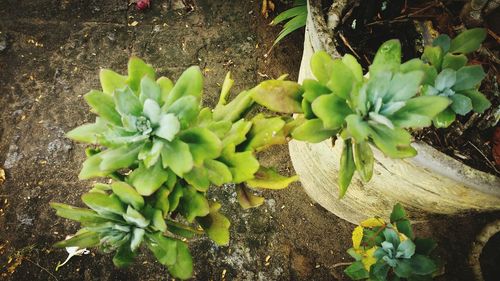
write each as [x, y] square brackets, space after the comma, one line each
[163, 152]
[389, 251]
[450, 76]
[364, 112]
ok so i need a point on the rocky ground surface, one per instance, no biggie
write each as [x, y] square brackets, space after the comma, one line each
[50, 54]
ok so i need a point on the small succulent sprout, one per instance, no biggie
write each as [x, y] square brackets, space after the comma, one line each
[382, 249]
[163, 152]
[364, 112]
[456, 80]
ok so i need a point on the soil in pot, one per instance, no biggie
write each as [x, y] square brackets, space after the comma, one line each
[367, 24]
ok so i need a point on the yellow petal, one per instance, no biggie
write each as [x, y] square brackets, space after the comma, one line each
[373, 222]
[357, 236]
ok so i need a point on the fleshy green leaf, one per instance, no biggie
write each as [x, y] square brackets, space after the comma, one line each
[453, 61]
[422, 265]
[175, 196]
[103, 203]
[84, 239]
[169, 127]
[158, 221]
[265, 132]
[268, 178]
[434, 55]
[479, 102]
[176, 156]
[186, 109]
[163, 248]
[243, 165]
[321, 66]
[406, 249]
[312, 131]
[237, 133]
[442, 41]
[469, 77]
[87, 133]
[394, 143]
[341, 80]
[363, 159]
[357, 127]
[190, 83]
[193, 204]
[347, 168]
[468, 41]
[127, 102]
[128, 194]
[356, 271]
[461, 104]
[124, 256]
[217, 172]
[166, 86]
[277, 95]
[198, 178]
[110, 81]
[137, 237]
[137, 69]
[150, 90]
[183, 266]
[332, 110]
[134, 217]
[404, 86]
[122, 157]
[235, 109]
[75, 213]
[313, 89]
[147, 180]
[418, 112]
[444, 118]
[216, 225]
[104, 106]
[387, 58]
[152, 111]
[353, 64]
[203, 144]
[161, 200]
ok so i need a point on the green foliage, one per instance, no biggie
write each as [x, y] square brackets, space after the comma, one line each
[454, 78]
[296, 18]
[380, 110]
[388, 251]
[364, 112]
[163, 152]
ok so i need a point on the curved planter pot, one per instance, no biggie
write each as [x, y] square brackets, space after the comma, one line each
[431, 182]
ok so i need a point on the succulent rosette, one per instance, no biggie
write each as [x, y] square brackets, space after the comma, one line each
[163, 152]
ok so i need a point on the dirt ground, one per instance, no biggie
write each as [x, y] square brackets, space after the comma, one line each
[53, 51]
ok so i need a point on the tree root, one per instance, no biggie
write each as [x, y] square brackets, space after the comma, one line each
[477, 248]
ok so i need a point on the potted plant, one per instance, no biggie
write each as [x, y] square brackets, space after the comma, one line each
[431, 181]
[161, 153]
[390, 251]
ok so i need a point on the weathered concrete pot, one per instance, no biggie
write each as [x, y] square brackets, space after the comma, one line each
[431, 182]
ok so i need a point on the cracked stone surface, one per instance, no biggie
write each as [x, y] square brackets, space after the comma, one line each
[50, 54]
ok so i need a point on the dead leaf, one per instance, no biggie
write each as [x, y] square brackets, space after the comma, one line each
[2, 176]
